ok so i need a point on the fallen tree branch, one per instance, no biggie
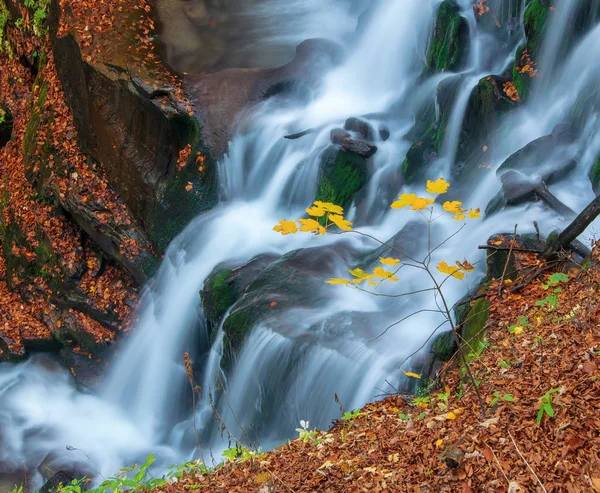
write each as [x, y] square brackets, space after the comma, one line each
[573, 230]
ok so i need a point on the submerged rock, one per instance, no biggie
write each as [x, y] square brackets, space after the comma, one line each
[548, 157]
[449, 43]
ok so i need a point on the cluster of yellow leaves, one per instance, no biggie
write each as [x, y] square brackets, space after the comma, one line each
[438, 187]
[375, 278]
[333, 215]
[457, 271]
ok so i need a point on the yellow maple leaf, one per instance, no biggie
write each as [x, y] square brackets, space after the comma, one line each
[453, 271]
[315, 211]
[373, 283]
[420, 203]
[340, 222]
[518, 330]
[474, 213]
[438, 186]
[339, 281]
[404, 200]
[451, 416]
[459, 217]
[361, 274]
[329, 207]
[389, 261]
[286, 227]
[439, 443]
[411, 374]
[388, 276]
[311, 226]
[453, 207]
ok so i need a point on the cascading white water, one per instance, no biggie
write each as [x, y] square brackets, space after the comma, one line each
[286, 374]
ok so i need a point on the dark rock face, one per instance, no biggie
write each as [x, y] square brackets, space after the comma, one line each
[595, 176]
[137, 133]
[6, 125]
[449, 43]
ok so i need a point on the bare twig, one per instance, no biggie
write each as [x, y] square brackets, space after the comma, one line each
[499, 466]
[525, 460]
[425, 310]
[510, 252]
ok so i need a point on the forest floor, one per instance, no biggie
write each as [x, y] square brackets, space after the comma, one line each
[539, 379]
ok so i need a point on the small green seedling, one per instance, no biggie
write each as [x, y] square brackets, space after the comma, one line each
[546, 405]
[505, 398]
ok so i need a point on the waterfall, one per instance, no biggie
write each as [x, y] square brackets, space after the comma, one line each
[299, 365]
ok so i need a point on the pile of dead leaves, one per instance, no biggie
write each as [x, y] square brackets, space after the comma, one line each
[540, 383]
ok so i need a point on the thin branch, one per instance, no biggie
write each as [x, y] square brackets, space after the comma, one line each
[414, 353]
[425, 310]
[512, 245]
[445, 241]
[525, 460]
[382, 243]
[498, 462]
[503, 248]
[382, 295]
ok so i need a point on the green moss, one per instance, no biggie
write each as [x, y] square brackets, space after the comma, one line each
[595, 176]
[237, 327]
[447, 48]
[218, 295]
[342, 174]
[443, 347]
[535, 23]
[522, 83]
[472, 328]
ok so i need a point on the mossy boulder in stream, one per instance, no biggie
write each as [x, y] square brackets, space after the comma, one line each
[487, 104]
[224, 286]
[449, 43]
[293, 282]
[536, 21]
[341, 175]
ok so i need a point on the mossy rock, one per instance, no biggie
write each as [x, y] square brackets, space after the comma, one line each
[449, 44]
[472, 328]
[535, 22]
[225, 286]
[418, 157]
[341, 175]
[486, 106]
[497, 259]
[443, 347]
[218, 295]
[595, 176]
[295, 280]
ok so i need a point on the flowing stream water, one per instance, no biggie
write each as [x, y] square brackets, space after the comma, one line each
[293, 369]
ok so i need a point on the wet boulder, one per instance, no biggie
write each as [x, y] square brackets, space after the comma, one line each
[347, 144]
[341, 175]
[487, 104]
[418, 158]
[294, 281]
[449, 43]
[361, 127]
[225, 286]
